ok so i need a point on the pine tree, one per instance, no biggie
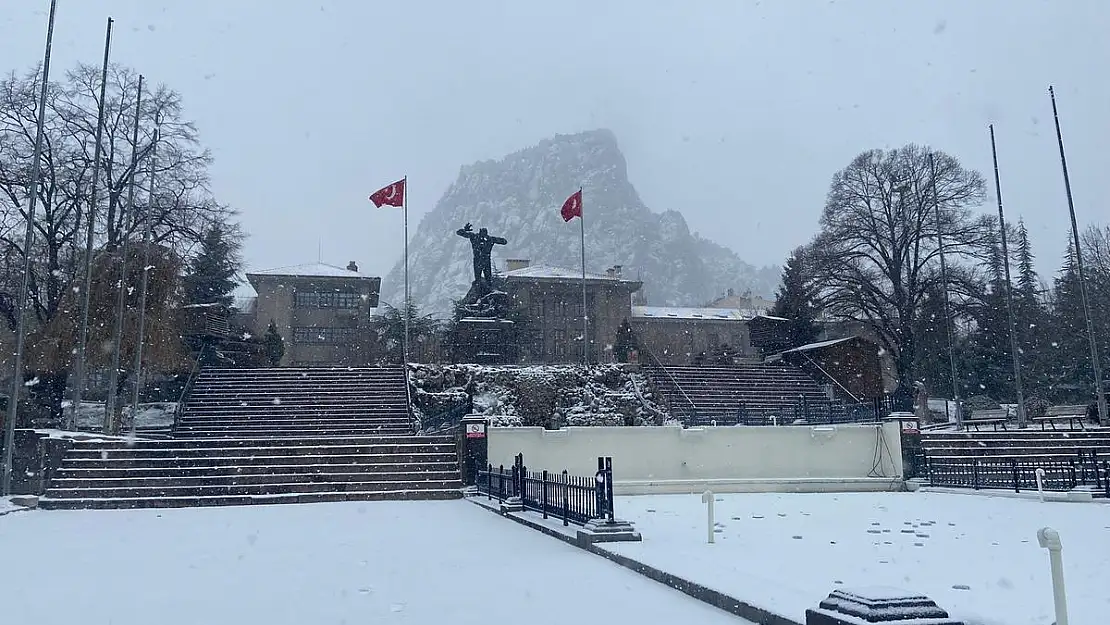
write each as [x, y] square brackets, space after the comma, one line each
[211, 274]
[795, 300]
[274, 344]
[391, 332]
[1028, 284]
[1069, 372]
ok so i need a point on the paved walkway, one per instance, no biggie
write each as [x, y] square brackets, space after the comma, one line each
[389, 562]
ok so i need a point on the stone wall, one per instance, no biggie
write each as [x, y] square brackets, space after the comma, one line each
[549, 396]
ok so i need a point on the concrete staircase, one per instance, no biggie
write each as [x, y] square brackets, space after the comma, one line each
[704, 393]
[244, 403]
[269, 436]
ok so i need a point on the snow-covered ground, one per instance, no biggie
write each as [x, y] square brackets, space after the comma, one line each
[7, 506]
[383, 562]
[976, 556]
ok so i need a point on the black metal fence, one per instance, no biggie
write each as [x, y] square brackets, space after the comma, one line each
[572, 498]
[802, 412]
[1019, 474]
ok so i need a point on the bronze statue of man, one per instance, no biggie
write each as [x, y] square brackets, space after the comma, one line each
[482, 244]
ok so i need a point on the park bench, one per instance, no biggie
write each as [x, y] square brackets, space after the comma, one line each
[1073, 415]
[993, 418]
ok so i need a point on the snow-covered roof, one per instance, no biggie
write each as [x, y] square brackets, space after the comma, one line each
[544, 272]
[676, 312]
[311, 270]
[811, 346]
[771, 317]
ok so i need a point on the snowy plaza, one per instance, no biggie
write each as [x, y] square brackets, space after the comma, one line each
[415, 562]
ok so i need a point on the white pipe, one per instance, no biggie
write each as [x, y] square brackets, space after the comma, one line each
[1040, 482]
[707, 498]
[1050, 539]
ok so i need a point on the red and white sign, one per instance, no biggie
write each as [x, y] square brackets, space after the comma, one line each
[475, 430]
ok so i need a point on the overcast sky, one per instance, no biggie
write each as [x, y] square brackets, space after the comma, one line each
[735, 112]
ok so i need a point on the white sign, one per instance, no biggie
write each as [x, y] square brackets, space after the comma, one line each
[475, 430]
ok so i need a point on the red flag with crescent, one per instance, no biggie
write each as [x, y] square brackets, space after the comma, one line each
[573, 206]
[392, 195]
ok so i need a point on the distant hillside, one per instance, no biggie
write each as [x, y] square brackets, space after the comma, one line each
[519, 196]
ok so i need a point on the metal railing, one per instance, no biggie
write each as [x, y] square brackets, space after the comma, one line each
[1021, 474]
[571, 498]
[654, 364]
[194, 373]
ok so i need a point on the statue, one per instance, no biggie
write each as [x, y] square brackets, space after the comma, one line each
[482, 244]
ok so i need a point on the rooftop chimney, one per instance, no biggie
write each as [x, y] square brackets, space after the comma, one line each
[352, 266]
[517, 263]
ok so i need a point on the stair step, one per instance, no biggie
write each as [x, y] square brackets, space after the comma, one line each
[274, 460]
[69, 483]
[379, 449]
[85, 503]
[175, 472]
[272, 488]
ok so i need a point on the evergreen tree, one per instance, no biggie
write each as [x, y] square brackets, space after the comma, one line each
[1069, 372]
[211, 274]
[274, 344]
[795, 300]
[932, 364]
[391, 332]
[1028, 284]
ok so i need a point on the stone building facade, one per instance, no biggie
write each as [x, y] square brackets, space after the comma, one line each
[323, 312]
[550, 302]
[680, 336]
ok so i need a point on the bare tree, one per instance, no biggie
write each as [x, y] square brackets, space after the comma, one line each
[873, 257]
[183, 208]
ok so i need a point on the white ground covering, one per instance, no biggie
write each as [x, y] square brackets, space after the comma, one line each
[388, 562]
[976, 556]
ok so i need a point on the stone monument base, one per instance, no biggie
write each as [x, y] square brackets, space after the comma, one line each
[487, 341]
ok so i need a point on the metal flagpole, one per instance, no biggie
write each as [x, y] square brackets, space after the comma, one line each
[121, 301]
[28, 241]
[83, 337]
[1009, 291]
[148, 224]
[405, 311]
[947, 303]
[1100, 392]
[585, 313]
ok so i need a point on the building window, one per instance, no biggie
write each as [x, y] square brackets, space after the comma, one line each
[325, 336]
[340, 298]
[559, 343]
[537, 309]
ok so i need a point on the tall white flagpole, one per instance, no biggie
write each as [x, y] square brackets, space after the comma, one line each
[585, 313]
[121, 294]
[28, 240]
[405, 310]
[144, 283]
[81, 366]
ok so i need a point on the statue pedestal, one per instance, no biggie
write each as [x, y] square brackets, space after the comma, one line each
[488, 341]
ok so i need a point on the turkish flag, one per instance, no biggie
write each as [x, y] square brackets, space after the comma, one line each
[573, 206]
[393, 195]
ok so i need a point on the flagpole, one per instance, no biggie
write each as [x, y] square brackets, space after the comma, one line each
[1009, 291]
[947, 303]
[405, 312]
[1100, 392]
[148, 225]
[83, 337]
[28, 240]
[585, 313]
[121, 298]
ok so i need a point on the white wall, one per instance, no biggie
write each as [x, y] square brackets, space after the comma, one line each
[726, 459]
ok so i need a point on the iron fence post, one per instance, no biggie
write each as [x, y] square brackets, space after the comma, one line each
[501, 483]
[489, 481]
[975, 473]
[1014, 471]
[543, 498]
[609, 486]
[566, 498]
[599, 485]
[1071, 471]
